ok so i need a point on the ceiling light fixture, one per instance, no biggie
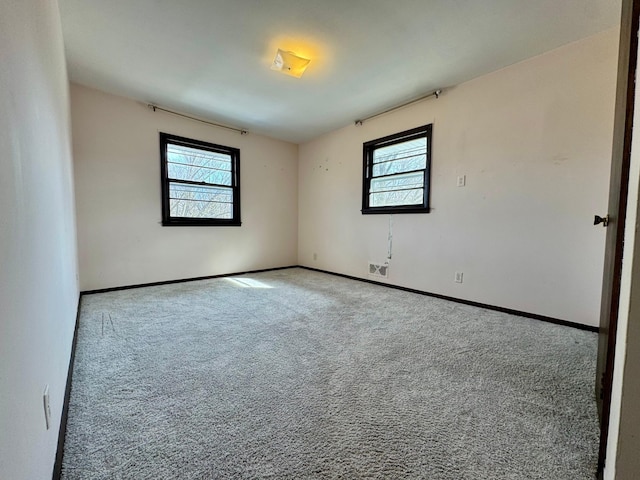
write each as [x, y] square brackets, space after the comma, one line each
[289, 63]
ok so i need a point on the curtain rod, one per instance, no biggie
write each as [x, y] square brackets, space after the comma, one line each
[156, 107]
[435, 93]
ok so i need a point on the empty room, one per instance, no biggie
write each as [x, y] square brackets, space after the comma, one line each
[319, 239]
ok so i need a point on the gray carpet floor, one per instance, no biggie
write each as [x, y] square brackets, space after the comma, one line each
[319, 377]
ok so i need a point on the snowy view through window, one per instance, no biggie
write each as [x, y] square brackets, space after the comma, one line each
[398, 174]
[200, 183]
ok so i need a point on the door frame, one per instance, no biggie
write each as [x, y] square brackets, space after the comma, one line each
[621, 157]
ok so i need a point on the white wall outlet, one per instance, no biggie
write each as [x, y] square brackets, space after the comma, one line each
[315, 256]
[462, 180]
[458, 277]
[47, 407]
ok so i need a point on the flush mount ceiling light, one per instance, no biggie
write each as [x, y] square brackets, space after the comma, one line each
[289, 63]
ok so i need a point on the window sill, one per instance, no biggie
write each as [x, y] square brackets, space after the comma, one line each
[394, 210]
[200, 223]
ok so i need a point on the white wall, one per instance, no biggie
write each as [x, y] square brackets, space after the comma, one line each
[534, 141]
[38, 279]
[117, 167]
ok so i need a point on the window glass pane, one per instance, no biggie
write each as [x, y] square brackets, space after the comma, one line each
[185, 163]
[401, 157]
[197, 174]
[400, 150]
[198, 201]
[407, 164]
[396, 198]
[403, 181]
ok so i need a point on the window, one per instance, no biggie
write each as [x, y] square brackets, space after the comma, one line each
[396, 172]
[200, 182]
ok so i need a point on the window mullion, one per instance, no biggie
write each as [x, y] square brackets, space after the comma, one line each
[204, 184]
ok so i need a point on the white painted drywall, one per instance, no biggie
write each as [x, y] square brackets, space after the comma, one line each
[38, 272]
[117, 172]
[534, 141]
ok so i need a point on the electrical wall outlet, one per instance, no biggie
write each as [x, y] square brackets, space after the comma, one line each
[315, 256]
[47, 407]
[458, 277]
[462, 180]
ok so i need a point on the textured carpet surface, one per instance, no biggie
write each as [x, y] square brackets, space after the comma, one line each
[324, 377]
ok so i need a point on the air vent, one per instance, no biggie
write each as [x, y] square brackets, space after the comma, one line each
[378, 270]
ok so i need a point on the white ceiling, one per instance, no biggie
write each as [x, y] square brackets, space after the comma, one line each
[211, 58]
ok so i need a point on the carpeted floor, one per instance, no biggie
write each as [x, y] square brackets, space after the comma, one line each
[320, 377]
